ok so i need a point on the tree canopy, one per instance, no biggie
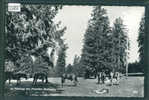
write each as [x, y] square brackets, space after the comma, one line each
[32, 31]
[94, 49]
[104, 47]
[141, 42]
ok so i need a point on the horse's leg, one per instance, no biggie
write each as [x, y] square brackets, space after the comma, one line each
[9, 80]
[17, 82]
[34, 81]
[62, 81]
[62, 84]
[75, 82]
[104, 80]
[42, 80]
[46, 78]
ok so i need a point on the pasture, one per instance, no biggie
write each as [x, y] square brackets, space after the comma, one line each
[130, 87]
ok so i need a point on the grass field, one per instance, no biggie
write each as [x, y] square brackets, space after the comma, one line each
[130, 87]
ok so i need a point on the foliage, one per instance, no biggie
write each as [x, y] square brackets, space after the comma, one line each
[77, 67]
[104, 47]
[95, 50]
[141, 42]
[25, 64]
[120, 45]
[32, 31]
[61, 63]
[9, 66]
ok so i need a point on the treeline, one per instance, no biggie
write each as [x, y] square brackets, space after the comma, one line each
[105, 47]
[135, 67]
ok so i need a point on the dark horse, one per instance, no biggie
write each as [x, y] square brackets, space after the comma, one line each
[15, 76]
[40, 76]
[71, 77]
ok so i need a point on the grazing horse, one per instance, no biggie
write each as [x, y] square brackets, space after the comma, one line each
[15, 76]
[18, 77]
[40, 76]
[71, 77]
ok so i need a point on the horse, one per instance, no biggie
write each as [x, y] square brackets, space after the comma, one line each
[71, 77]
[40, 76]
[18, 76]
[15, 76]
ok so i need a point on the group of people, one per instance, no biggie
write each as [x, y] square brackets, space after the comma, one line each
[111, 75]
[102, 75]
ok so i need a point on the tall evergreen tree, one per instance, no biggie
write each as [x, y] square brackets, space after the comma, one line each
[77, 69]
[141, 43]
[61, 63]
[120, 45]
[95, 52]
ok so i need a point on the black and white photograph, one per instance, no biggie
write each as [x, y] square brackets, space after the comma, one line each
[75, 50]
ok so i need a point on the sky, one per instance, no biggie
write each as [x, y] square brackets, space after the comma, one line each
[75, 18]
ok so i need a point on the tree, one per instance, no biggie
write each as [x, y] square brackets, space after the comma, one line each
[141, 43]
[120, 45]
[95, 50]
[25, 64]
[60, 66]
[77, 68]
[40, 66]
[32, 31]
[9, 66]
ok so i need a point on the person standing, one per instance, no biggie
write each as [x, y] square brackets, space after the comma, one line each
[111, 76]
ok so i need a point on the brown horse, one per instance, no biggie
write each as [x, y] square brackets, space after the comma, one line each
[71, 77]
[40, 76]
